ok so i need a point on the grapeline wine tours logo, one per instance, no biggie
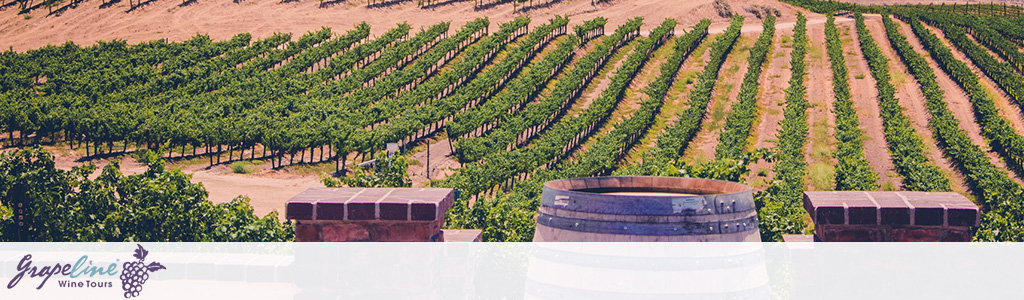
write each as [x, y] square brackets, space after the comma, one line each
[83, 273]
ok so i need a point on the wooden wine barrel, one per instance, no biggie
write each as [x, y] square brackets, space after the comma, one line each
[646, 209]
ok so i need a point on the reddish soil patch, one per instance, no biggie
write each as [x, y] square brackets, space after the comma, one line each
[596, 86]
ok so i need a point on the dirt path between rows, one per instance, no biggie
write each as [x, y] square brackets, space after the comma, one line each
[596, 86]
[441, 162]
[910, 97]
[675, 100]
[821, 144]
[771, 101]
[578, 53]
[865, 102]
[725, 92]
[633, 96]
[1008, 109]
[958, 102]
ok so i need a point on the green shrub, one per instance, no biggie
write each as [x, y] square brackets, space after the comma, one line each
[155, 206]
[243, 167]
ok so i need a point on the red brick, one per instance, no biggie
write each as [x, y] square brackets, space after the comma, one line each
[330, 211]
[394, 211]
[917, 234]
[829, 215]
[307, 233]
[962, 217]
[361, 210]
[862, 215]
[809, 207]
[299, 210]
[847, 234]
[403, 231]
[895, 216]
[447, 203]
[957, 236]
[936, 216]
[928, 216]
[346, 232]
[424, 212]
[888, 200]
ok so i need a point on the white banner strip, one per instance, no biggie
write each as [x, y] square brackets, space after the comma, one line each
[511, 270]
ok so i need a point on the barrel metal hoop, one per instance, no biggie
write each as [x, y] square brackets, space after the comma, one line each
[547, 210]
[655, 229]
[689, 205]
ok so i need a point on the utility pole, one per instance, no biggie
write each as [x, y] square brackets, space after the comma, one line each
[20, 193]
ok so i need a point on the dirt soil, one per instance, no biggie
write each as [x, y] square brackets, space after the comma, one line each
[727, 89]
[596, 86]
[633, 95]
[675, 100]
[1001, 100]
[1008, 109]
[957, 100]
[771, 101]
[441, 162]
[821, 144]
[88, 22]
[912, 100]
[865, 101]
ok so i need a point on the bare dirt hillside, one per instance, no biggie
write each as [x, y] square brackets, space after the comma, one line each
[88, 22]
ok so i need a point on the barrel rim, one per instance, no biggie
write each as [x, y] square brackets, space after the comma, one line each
[683, 185]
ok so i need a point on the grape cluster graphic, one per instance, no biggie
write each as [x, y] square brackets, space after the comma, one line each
[135, 273]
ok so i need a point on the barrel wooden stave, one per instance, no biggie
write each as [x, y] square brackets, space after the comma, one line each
[572, 212]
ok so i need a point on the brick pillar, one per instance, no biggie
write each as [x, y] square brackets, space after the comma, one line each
[370, 214]
[852, 216]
